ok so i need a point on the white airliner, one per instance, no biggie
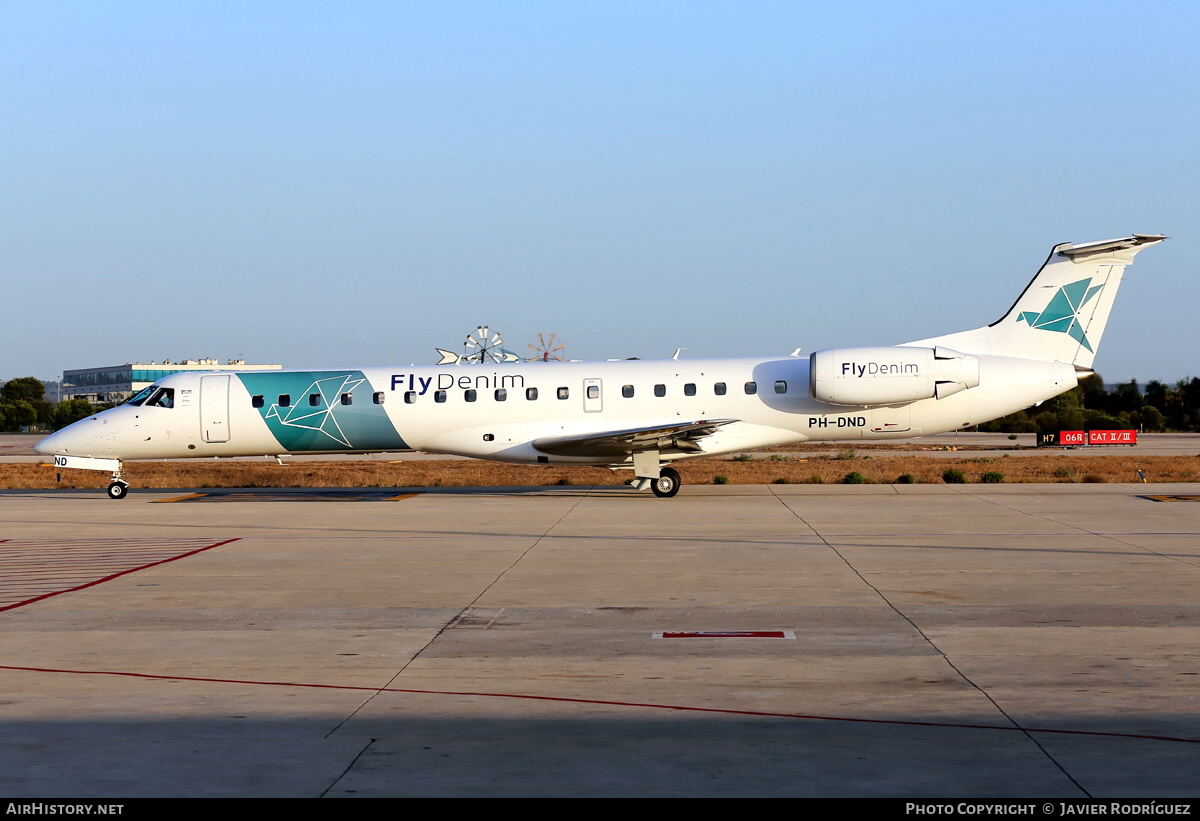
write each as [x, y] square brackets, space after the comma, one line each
[638, 415]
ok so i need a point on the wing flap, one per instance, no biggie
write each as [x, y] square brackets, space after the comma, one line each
[681, 437]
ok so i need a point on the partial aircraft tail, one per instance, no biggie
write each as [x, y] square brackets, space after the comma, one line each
[1061, 314]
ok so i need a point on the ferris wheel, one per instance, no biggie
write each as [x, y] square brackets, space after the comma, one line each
[547, 350]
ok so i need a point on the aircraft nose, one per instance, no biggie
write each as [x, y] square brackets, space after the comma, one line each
[46, 446]
[72, 440]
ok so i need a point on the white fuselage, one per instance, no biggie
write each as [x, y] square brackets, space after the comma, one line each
[433, 409]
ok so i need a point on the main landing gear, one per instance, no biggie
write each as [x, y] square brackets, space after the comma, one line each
[667, 484]
[649, 469]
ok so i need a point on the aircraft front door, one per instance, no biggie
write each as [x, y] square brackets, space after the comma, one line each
[214, 408]
[593, 395]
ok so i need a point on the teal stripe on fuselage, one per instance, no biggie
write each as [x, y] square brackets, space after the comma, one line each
[316, 418]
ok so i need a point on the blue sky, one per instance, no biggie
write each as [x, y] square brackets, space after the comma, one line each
[323, 184]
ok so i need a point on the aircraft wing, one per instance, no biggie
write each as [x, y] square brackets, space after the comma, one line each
[618, 444]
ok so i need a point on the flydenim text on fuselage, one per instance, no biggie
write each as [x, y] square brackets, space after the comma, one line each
[446, 381]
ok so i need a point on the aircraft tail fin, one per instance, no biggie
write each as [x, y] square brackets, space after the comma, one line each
[1061, 314]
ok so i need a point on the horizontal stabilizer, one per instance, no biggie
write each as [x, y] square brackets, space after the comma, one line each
[1110, 246]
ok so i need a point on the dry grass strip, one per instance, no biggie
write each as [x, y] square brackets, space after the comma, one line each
[877, 468]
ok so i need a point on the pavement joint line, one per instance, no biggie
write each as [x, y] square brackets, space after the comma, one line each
[1107, 536]
[1015, 724]
[460, 613]
[349, 767]
[650, 705]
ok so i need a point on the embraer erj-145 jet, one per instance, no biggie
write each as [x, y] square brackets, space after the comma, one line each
[634, 415]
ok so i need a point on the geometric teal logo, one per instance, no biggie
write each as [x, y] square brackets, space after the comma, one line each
[319, 413]
[324, 411]
[1062, 314]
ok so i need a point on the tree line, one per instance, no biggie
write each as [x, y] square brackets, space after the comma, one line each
[23, 403]
[1089, 406]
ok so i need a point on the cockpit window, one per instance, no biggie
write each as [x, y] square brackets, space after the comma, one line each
[140, 397]
[163, 398]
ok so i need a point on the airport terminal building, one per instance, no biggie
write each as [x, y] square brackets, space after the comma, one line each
[117, 383]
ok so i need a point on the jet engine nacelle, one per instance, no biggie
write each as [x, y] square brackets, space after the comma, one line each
[889, 376]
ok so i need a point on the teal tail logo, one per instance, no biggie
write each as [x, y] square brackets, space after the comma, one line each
[1062, 314]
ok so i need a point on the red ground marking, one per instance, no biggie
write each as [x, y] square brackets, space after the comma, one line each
[607, 703]
[68, 565]
[728, 634]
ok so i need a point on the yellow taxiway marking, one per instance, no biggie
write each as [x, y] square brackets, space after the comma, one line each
[180, 498]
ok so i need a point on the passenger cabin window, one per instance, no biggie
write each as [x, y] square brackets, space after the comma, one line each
[377, 398]
[410, 397]
[751, 388]
[780, 386]
[531, 394]
[347, 399]
[439, 396]
[469, 395]
[256, 401]
[593, 391]
[719, 389]
[314, 400]
[660, 390]
[563, 393]
[627, 391]
[285, 400]
[501, 394]
[689, 389]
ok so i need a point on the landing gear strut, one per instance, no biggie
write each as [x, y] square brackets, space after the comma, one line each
[647, 468]
[667, 484]
[119, 488]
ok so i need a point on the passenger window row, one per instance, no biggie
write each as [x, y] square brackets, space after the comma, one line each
[470, 395]
[284, 400]
[315, 400]
[719, 389]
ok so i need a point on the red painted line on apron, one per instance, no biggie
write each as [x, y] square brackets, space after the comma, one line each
[728, 634]
[606, 703]
[118, 574]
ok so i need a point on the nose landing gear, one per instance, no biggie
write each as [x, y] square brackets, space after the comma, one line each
[118, 488]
